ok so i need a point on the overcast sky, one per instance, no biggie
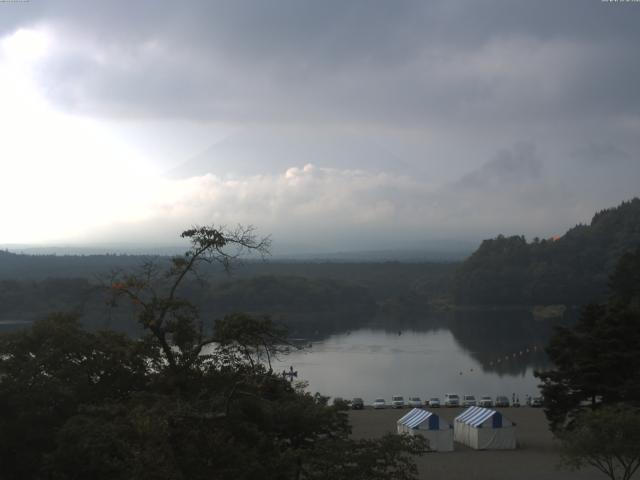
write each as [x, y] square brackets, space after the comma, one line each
[332, 125]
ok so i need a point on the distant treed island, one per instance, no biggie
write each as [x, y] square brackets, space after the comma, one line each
[310, 297]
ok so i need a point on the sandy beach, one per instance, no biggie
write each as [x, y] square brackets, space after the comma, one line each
[536, 457]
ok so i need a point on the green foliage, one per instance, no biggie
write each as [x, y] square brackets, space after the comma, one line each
[598, 360]
[291, 294]
[571, 269]
[184, 402]
[48, 372]
[84, 405]
[42, 297]
[308, 297]
[624, 282]
[158, 298]
[608, 439]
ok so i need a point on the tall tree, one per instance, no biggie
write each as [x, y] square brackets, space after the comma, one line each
[183, 402]
[607, 439]
[598, 360]
[162, 311]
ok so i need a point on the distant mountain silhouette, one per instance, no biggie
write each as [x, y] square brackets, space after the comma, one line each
[258, 152]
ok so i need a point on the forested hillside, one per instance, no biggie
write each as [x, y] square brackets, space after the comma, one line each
[289, 294]
[306, 296]
[571, 270]
[18, 266]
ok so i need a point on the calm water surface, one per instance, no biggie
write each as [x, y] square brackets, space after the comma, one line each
[466, 353]
[487, 358]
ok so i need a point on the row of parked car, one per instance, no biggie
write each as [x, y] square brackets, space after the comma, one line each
[450, 400]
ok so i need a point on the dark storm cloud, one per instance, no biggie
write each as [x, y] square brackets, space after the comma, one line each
[380, 62]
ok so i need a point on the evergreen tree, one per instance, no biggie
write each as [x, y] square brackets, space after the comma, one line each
[597, 362]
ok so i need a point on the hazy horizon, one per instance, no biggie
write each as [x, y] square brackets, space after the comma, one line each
[444, 250]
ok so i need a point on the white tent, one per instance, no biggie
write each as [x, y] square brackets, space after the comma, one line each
[484, 429]
[422, 422]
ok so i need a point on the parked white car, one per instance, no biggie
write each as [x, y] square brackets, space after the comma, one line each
[451, 400]
[397, 401]
[415, 402]
[468, 401]
[379, 403]
[434, 402]
[486, 401]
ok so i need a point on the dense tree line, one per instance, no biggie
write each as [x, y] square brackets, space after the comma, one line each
[592, 395]
[191, 399]
[272, 294]
[597, 361]
[23, 299]
[572, 269]
[380, 277]
[100, 405]
[19, 266]
[294, 300]
[308, 297]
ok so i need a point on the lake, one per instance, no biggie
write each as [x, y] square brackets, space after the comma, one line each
[478, 354]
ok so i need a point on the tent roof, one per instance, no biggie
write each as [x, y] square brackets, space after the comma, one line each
[415, 417]
[475, 416]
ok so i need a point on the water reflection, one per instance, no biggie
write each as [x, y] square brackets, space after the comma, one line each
[504, 342]
[486, 353]
[480, 353]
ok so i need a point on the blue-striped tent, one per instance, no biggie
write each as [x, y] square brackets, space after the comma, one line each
[439, 433]
[484, 429]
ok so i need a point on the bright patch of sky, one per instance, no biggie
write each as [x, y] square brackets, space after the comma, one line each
[61, 173]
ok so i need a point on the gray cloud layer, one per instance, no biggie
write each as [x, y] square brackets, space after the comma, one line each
[333, 61]
[523, 112]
